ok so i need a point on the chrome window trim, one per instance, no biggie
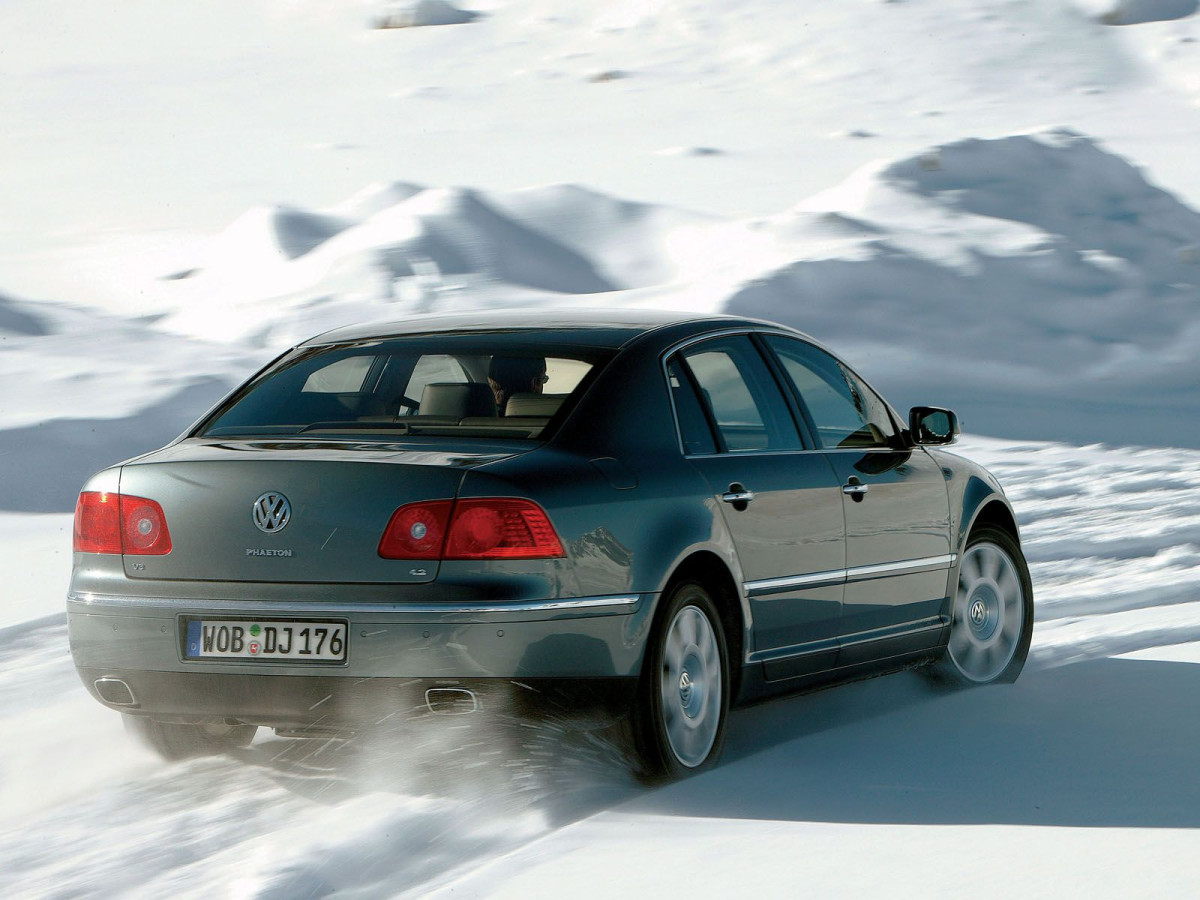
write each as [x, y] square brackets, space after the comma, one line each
[768, 586]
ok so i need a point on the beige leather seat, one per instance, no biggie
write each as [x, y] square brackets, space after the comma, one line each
[457, 399]
[544, 405]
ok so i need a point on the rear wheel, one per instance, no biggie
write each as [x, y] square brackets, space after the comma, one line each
[182, 741]
[992, 619]
[683, 698]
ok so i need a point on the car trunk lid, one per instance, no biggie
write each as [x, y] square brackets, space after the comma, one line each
[292, 511]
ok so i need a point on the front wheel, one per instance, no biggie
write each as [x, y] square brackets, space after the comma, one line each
[992, 619]
[173, 741]
[683, 697]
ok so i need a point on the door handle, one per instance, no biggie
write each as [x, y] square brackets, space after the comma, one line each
[738, 494]
[855, 489]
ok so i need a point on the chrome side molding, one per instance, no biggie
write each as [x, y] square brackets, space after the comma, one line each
[769, 586]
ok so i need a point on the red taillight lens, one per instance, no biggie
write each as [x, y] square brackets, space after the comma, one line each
[416, 531]
[501, 528]
[98, 523]
[478, 528]
[144, 527]
[118, 523]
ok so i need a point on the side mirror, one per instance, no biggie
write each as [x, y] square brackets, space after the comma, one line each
[933, 425]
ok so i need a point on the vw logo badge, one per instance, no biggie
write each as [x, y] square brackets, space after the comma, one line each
[272, 512]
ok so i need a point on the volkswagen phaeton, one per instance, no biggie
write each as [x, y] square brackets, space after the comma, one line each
[672, 513]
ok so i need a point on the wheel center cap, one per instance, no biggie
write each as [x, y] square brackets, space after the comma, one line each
[685, 688]
[978, 612]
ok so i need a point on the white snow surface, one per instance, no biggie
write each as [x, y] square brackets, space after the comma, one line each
[987, 204]
[1077, 774]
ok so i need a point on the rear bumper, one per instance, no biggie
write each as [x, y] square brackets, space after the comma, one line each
[139, 641]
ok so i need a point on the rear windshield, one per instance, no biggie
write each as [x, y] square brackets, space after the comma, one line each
[490, 386]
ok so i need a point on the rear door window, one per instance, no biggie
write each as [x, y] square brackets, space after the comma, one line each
[695, 431]
[741, 396]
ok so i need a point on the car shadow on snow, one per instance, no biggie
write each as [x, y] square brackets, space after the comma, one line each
[1108, 742]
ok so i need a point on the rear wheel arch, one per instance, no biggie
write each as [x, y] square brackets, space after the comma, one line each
[711, 572]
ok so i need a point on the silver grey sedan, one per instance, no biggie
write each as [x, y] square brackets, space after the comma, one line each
[666, 514]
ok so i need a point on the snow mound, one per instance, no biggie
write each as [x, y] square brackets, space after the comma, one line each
[1037, 283]
[18, 318]
[375, 198]
[47, 463]
[1138, 12]
[462, 232]
[629, 243]
[1062, 183]
[426, 12]
[352, 262]
[273, 233]
[84, 390]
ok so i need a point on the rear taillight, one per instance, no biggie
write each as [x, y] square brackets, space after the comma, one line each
[416, 531]
[501, 528]
[118, 523]
[144, 527]
[98, 523]
[477, 528]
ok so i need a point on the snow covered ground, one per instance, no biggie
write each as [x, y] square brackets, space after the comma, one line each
[1078, 777]
[987, 204]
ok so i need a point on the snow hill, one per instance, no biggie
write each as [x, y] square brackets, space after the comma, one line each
[83, 389]
[1038, 284]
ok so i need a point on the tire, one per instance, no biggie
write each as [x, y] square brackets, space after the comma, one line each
[682, 703]
[173, 741]
[991, 620]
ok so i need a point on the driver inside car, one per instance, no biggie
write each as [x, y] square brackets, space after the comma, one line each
[508, 375]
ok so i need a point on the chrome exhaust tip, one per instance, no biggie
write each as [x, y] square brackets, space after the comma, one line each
[451, 701]
[114, 691]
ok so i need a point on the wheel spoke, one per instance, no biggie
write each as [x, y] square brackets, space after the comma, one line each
[688, 629]
[1013, 616]
[1010, 588]
[673, 653]
[990, 562]
[968, 653]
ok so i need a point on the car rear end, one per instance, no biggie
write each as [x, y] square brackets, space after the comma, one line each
[321, 551]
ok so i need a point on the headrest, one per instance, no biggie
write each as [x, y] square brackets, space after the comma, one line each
[533, 404]
[458, 399]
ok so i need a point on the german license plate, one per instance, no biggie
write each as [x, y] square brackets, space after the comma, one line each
[299, 641]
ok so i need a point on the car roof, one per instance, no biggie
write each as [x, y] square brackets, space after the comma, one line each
[598, 327]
